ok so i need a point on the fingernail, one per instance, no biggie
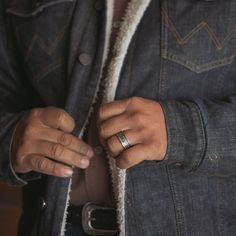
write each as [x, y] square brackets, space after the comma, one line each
[68, 172]
[84, 163]
[90, 153]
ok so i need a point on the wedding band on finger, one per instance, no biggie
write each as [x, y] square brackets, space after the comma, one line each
[123, 140]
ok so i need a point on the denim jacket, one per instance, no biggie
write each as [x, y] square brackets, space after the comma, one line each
[180, 53]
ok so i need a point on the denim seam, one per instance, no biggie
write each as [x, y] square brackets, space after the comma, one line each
[201, 26]
[133, 185]
[49, 69]
[51, 48]
[35, 11]
[221, 224]
[179, 216]
[169, 138]
[164, 48]
[197, 67]
[202, 137]
[48, 49]
[130, 67]
[13, 173]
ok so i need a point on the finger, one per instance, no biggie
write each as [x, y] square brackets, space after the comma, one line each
[44, 165]
[114, 125]
[111, 109]
[114, 145]
[60, 153]
[56, 118]
[133, 156]
[65, 139]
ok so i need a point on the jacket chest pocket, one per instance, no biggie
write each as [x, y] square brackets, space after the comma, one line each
[201, 35]
[199, 39]
[40, 29]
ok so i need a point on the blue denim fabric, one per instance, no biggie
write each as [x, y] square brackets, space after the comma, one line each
[182, 55]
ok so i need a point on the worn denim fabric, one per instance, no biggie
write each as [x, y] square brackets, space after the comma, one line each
[182, 55]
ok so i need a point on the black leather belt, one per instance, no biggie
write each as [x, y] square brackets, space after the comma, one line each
[95, 219]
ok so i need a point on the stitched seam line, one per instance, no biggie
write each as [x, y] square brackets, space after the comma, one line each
[196, 67]
[12, 11]
[49, 69]
[201, 26]
[49, 49]
[176, 202]
[203, 144]
[164, 43]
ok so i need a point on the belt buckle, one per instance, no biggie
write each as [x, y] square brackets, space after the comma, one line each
[87, 219]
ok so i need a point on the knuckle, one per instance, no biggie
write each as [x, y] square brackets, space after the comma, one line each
[40, 163]
[58, 172]
[60, 117]
[111, 144]
[102, 130]
[126, 158]
[136, 118]
[54, 170]
[30, 161]
[134, 100]
[34, 112]
[56, 150]
[73, 158]
[100, 112]
[64, 139]
[19, 153]
[77, 160]
[134, 103]
[29, 130]
[19, 161]
[83, 149]
[24, 149]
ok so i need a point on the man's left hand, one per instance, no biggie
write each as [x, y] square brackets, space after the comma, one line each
[143, 124]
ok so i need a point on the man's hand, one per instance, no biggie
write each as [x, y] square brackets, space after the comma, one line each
[43, 143]
[143, 123]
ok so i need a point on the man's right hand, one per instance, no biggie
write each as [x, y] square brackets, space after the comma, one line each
[42, 142]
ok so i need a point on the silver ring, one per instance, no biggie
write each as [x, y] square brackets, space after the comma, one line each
[123, 140]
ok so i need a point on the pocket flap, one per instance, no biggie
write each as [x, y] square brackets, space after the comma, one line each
[29, 8]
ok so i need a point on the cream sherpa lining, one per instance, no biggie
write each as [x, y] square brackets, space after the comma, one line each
[131, 19]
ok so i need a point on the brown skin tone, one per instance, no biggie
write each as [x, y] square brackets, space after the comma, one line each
[43, 143]
[142, 122]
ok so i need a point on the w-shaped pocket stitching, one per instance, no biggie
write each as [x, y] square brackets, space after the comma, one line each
[194, 61]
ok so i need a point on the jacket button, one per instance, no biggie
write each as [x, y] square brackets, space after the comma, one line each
[84, 59]
[42, 204]
[98, 5]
